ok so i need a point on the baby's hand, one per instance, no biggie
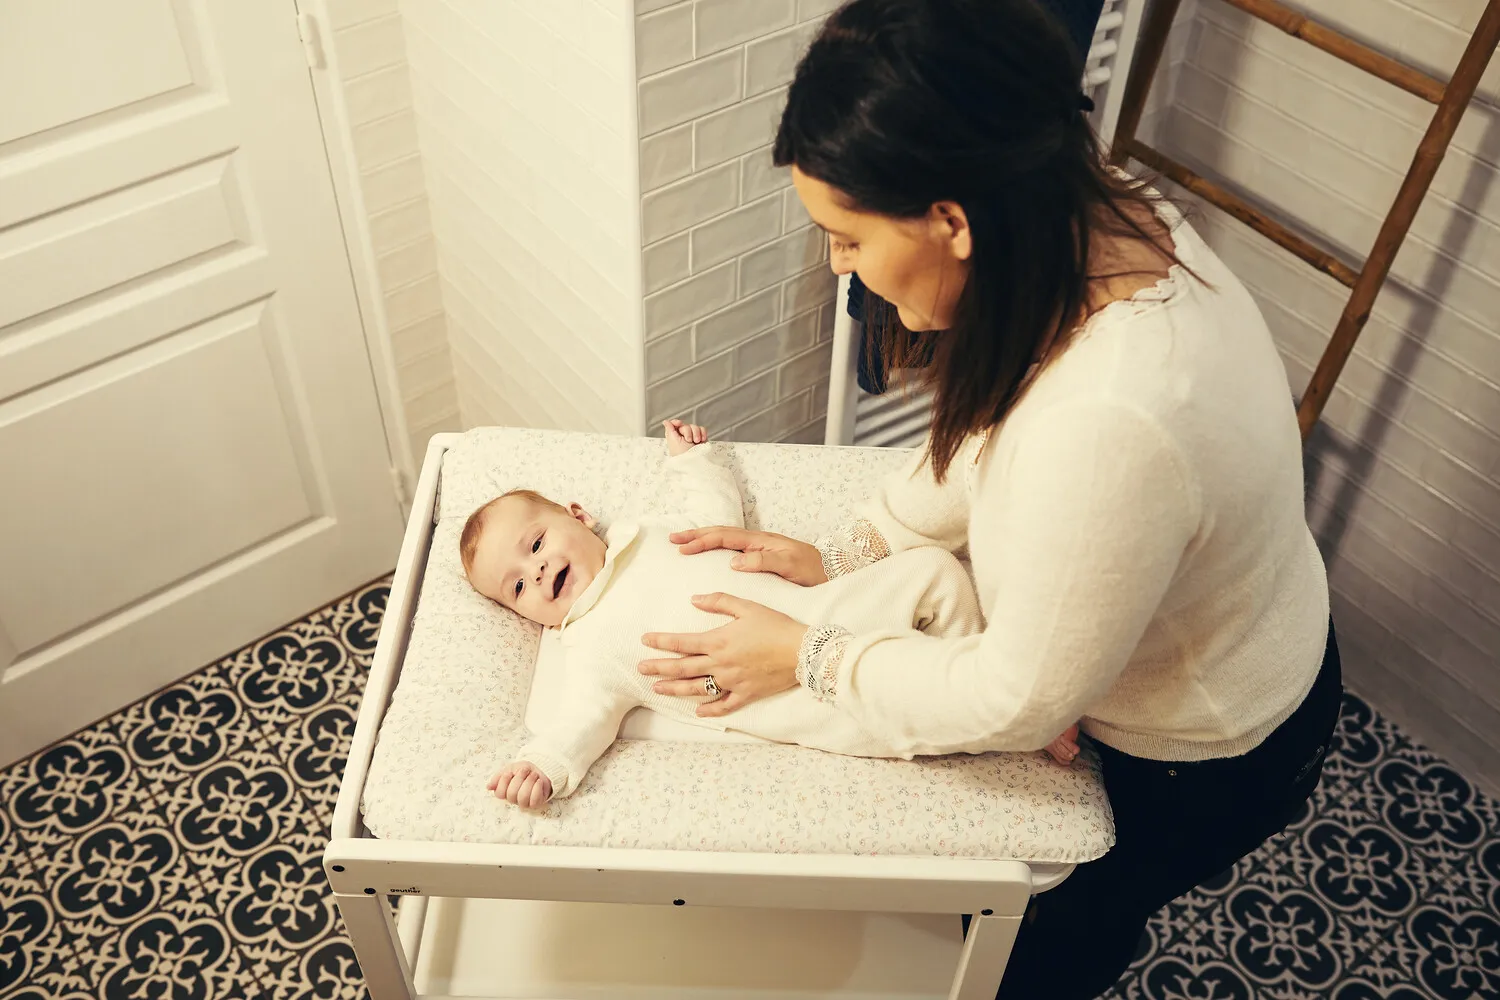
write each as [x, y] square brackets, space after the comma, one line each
[681, 436]
[1065, 747]
[521, 784]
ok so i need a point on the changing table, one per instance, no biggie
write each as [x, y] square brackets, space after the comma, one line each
[831, 876]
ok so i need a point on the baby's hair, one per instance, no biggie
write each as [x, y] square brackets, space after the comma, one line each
[468, 541]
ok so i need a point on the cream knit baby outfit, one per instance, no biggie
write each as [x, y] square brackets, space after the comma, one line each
[646, 585]
[1138, 540]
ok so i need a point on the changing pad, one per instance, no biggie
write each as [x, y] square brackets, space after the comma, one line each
[456, 715]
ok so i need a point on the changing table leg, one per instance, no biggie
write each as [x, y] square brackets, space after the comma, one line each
[372, 929]
[982, 963]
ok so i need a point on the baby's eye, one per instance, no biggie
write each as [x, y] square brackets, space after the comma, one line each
[519, 585]
[536, 544]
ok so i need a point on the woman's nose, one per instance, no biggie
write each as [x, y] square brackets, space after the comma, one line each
[841, 263]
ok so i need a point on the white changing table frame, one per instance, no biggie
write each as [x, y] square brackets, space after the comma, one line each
[363, 870]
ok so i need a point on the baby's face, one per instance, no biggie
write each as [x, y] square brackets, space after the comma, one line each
[536, 559]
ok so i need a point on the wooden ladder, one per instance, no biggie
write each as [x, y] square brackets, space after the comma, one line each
[1451, 99]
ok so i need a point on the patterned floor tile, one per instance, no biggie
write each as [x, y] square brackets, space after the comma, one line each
[1363, 875]
[69, 788]
[1254, 943]
[36, 951]
[1365, 989]
[326, 970]
[276, 901]
[126, 867]
[233, 810]
[186, 728]
[1430, 806]
[1447, 948]
[321, 659]
[357, 618]
[177, 952]
[13, 851]
[292, 674]
[315, 749]
[1487, 874]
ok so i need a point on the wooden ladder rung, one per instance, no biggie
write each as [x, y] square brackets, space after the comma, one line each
[1451, 98]
[1242, 210]
[1392, 71]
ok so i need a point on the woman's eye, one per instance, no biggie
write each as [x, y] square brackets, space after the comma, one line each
[844, 247]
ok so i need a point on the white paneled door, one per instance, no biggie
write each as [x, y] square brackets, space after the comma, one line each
[191, 451]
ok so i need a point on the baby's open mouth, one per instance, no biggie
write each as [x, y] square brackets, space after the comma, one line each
[558, 581]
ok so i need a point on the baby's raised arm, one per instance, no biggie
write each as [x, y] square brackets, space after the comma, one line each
[706, 491]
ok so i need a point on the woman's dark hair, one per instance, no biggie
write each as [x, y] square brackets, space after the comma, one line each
[899, 104]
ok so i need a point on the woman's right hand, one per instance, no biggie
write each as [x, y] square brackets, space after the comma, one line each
[760, 552]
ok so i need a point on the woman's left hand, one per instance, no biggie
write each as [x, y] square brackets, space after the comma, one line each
[750, 658]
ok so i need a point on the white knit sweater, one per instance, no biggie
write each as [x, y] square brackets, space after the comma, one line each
[1138, 540]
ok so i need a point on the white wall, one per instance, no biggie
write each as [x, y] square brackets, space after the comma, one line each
[739, 297]
[526, 123]
[1405, 474]
[368, 56]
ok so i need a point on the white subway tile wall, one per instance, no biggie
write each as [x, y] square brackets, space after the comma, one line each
[523, 114]
[664, 39]
[728, 133]
[369, 56]
[735, 232]
[666, 157]
[685, 93]
[666, 262]
[1404, 475]
[680, 206]
[722, 23]
[738, 333]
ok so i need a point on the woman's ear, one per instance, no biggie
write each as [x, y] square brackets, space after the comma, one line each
[583, 516]
[950, 225]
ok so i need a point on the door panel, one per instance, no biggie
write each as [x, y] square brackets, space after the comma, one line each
[192, 450]
[195, 418]
[69, 255]
[122, 54]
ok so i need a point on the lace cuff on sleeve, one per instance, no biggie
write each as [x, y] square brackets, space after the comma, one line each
[819, 657]
[854, 546]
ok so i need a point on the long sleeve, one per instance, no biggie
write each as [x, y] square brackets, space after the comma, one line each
[706, 490]
[910, 509]
[1085, 520]
[566, 746]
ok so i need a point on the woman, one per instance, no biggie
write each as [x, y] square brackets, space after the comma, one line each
[1112, 442]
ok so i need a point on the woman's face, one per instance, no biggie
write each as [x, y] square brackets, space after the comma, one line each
[918, 265]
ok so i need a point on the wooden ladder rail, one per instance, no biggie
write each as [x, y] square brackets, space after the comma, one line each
[1451, 99]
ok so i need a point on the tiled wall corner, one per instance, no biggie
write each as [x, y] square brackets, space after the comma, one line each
[524, 116]
[738, 317]
[1404, 474]
[369, 57]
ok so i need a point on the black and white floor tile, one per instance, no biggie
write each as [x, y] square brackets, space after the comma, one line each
[172, 852]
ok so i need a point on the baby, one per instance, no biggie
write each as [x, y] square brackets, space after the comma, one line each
[546, 562]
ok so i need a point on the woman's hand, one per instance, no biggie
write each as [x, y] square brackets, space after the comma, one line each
[752, 657]
[761, 552]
